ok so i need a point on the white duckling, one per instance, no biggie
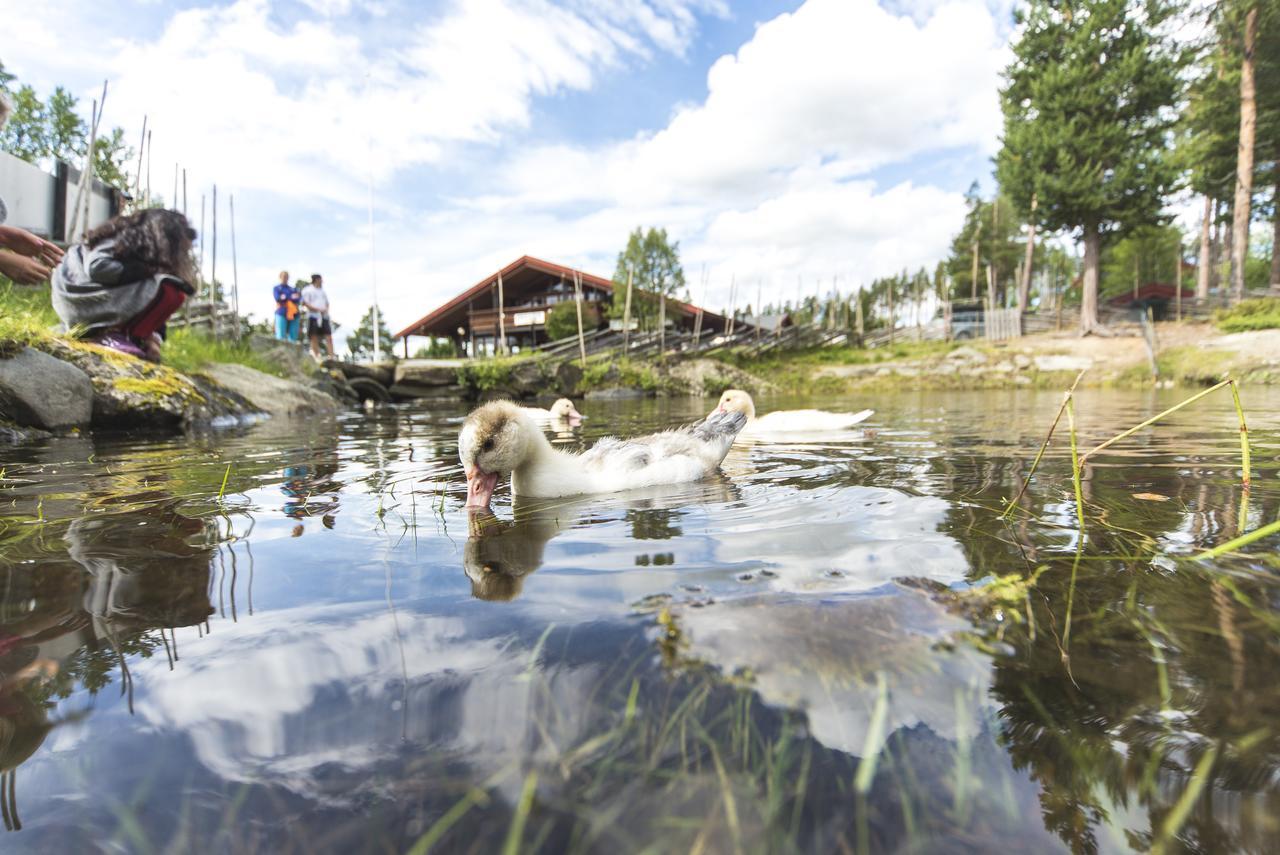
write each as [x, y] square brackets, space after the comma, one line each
[786, 421]
[562, 412]
[501, 437]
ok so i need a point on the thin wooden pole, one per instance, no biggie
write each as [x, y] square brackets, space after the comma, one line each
[662, 324]
[502, 319]
[202, 238]
[173, 203]
[147, 203]
[142, 148]
[697, 321]
[86, 178]
[733, 302]
[626, 312]
[857, 315]
[1177, 279]
[577, 301]
[184, 191]
[213, 275]
[759, 309]
[235, 276]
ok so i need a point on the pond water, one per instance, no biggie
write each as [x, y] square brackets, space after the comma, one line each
[292, 638]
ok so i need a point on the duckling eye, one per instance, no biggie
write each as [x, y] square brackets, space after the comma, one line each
[487, 445]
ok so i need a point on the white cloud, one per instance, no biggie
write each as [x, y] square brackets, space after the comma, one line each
[796, 162]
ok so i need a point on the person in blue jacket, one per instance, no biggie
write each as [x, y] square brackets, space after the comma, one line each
[288, 308]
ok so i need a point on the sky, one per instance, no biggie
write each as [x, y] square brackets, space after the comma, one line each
[788, 146]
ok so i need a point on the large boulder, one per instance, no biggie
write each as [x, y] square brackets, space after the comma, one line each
[427, 372]
[383, 373]
[38, 390]
[568, 376]
[272, 395]
[132, 393]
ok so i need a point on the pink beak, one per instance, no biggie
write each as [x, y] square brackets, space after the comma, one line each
[575, 417]
[480, 487]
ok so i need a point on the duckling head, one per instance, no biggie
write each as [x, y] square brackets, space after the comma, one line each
[564, 410]
[495, 439]
[737, 401]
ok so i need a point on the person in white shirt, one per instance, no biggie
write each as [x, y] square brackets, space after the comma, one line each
[317, 303]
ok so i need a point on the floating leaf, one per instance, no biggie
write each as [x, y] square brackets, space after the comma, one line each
[1151, 497]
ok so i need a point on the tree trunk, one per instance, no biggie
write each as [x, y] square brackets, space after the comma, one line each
[1225, 251]
[1024, 287]
[1089, 289]
[1275, 239]
[1205, 261]
[1244, 158]
[973, 289]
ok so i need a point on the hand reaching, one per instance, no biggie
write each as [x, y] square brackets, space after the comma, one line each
[23, 270]
[25, 243]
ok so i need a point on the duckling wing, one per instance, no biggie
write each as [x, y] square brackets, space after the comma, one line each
[671, 457]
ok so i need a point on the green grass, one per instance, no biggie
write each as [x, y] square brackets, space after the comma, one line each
[790, 368]
[484, 375]
[623, 373]
[26, 315]
[188, 351]
[1259, 314]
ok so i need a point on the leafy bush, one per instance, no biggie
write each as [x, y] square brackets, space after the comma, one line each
[623, 374]
[562, 321]
[1262, 313]
[486, 374]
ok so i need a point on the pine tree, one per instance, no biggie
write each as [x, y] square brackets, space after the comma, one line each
[65, 132]
[360, 340]
[1088, 113]
[24, 135]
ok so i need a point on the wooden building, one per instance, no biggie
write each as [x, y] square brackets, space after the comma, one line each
[531, 287]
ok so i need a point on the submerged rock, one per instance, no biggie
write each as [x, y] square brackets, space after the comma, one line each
[271, 395]
[37, 390]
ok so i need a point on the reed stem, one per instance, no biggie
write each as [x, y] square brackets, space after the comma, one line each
[1131, 431]
[1077, 462]
[1244, 434]
[1044, 445]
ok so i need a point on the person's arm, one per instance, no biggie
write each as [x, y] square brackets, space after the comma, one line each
[23, 270]
[25, 243]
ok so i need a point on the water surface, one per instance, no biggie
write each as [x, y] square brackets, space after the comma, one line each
[835, 644]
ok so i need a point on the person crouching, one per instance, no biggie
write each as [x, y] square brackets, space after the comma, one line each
[120, 286]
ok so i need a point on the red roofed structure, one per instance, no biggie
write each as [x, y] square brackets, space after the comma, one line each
[530, 288]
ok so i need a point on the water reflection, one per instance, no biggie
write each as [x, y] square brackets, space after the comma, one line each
[834, 647]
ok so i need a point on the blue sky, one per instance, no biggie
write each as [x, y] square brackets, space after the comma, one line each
[779, 142]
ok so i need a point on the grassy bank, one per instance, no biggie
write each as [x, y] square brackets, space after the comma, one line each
[27, 318]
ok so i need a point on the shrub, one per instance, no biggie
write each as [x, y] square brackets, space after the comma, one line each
[562, 321]
[1262, 313]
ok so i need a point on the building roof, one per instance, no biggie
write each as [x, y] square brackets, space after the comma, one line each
[518, 276]
[1148, 293]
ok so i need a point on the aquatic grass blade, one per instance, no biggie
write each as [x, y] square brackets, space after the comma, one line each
[1238, 542]
[1178, 816]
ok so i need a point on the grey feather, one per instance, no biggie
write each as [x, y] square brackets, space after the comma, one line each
[719, 425]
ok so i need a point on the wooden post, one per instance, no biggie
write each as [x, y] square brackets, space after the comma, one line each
[147, 202]
[213, 274]
[626, 311]
[577, 300]
[184, 191]
[733, 305]
[892, 320]
[235, 276]
[759, 310]
[173, 203]
[857, 315]
[977, 237]
[502, 319]
[86, 181]
[1177, 279]
[199, 286]
[142, 147]
[662, 325]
